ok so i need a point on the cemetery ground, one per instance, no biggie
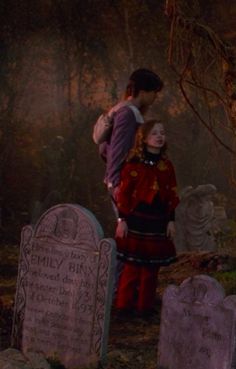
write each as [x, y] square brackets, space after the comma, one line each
[132, 341]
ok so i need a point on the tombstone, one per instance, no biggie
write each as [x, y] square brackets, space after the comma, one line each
[197, 328]
[195, 219]
[64, 287]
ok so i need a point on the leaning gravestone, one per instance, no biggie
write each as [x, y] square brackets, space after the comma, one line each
[197, 326]
[64, 287]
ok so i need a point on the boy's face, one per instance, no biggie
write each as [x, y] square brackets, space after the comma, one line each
[147, 97]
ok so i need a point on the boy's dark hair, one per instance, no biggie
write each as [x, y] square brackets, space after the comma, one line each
[143, 80]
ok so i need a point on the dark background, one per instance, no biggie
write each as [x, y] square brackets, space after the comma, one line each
[62, 62]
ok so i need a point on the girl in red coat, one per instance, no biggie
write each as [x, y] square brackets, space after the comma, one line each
[146, 201]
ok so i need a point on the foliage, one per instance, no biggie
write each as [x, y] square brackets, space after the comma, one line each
[205, 64]
[226, 234]
[55, 363]
[227, 280]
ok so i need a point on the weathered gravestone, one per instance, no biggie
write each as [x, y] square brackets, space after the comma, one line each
[195, 219]
[197, 326]
[64, 287]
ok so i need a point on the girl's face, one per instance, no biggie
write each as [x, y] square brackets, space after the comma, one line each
[156, 138]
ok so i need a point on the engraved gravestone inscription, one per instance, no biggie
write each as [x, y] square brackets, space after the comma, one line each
[197, 326]
[64, 287]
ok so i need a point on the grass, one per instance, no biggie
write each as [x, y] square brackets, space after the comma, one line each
[227, 279]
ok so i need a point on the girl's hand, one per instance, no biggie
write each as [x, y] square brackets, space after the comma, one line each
[121, 229]
[171, 230]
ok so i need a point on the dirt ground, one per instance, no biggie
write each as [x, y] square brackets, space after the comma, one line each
[133, 341]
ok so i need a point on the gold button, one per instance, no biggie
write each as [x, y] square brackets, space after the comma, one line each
[133, 173]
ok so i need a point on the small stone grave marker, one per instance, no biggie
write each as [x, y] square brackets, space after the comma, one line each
[64, 287]
[197, 326]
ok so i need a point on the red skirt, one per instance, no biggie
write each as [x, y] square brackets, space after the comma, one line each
[140, 248]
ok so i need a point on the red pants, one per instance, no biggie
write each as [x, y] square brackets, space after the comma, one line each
[137, 287]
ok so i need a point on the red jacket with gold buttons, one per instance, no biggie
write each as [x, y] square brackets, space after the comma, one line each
[141, 181]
